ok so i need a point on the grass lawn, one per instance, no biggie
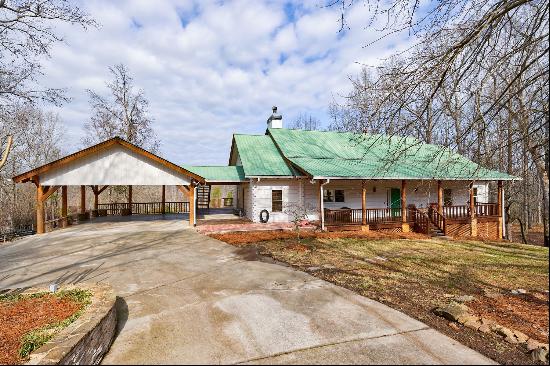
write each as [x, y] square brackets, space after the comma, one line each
[416, 275]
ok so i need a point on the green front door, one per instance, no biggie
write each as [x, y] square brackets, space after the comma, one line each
[395, 201]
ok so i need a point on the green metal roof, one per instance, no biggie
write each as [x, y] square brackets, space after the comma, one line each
[349, 155]
[213, 174]
[260, 157]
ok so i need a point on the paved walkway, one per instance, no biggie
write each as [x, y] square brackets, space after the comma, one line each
[187, 298]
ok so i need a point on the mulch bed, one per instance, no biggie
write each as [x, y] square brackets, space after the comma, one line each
[527, 313]
[19, 317]
[249, 237]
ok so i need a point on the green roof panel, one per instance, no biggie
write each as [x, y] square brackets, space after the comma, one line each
[213, 174]
[347, 155]
[260, 157]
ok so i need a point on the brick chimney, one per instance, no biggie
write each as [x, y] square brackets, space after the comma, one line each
[275, 120]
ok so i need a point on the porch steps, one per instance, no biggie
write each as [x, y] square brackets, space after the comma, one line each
[203, 197]
[436, 232]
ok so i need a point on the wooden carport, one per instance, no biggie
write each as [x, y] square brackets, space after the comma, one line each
[112, 162]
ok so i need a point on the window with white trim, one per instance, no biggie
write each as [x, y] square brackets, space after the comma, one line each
[334, 195]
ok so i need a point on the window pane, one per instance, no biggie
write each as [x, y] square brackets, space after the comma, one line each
[276, 200]
[339, 195]
[328, 195]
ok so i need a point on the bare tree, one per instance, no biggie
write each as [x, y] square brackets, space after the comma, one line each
[305, 122]
[476, 80]
[124, 113]
[27, 32]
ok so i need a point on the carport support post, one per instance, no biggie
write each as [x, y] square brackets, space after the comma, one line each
[130, 198]
[192, 212]
[404, 222]
[40, 214]
[64, 220]
[163, 205]
[82, 200]
[96, 197]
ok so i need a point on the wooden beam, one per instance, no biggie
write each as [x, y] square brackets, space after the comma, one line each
[183, 189]
[48, 191]
[102, 189]
[64, 201]
[321, 206]
[82, 200]
[40, 214]
[363, 202]
[440, 197]
[163, 200]
[191, 195]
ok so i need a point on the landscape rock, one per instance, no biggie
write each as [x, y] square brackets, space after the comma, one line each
[540, 354]
[519, 291]
[454, 311]
[464, 298]
[484, 328]
[532, 344]
[453, 326]
[473, 324]
[504, 332]
[521, 337]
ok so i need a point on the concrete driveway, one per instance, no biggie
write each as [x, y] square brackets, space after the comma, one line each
[187, 298]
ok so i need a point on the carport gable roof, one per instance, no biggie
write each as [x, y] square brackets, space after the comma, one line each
[29, 175]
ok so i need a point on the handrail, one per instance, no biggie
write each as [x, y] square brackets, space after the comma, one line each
[421, 222]
[438, 219]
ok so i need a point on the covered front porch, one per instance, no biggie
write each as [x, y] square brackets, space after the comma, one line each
[431, 207]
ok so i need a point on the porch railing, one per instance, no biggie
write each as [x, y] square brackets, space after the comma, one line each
[388, 215]
[145, 208]
[354, 216]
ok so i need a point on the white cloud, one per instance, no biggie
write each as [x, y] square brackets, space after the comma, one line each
[211, 69]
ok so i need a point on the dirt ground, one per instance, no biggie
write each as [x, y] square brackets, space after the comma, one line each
[21, 315]
[414, 274]
[534, 236]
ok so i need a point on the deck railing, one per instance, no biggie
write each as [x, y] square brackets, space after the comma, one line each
[145, 208]
[437, 219]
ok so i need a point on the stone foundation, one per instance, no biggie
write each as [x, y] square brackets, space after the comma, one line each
[88, 339]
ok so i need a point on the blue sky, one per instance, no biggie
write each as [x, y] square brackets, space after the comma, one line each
[214, 68]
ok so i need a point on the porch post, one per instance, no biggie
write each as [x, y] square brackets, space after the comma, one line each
[82, 200]
[191, 195]
[473, 219]
[439, 197]
[40, 214]
[499, 211]
[163, 205]
[64, 219]
[321, 206]
[363, 203]
[404, 223]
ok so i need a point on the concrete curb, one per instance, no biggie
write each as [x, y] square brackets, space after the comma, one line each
[88, 339]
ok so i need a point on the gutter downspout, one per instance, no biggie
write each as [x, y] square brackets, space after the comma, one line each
[322, 204]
